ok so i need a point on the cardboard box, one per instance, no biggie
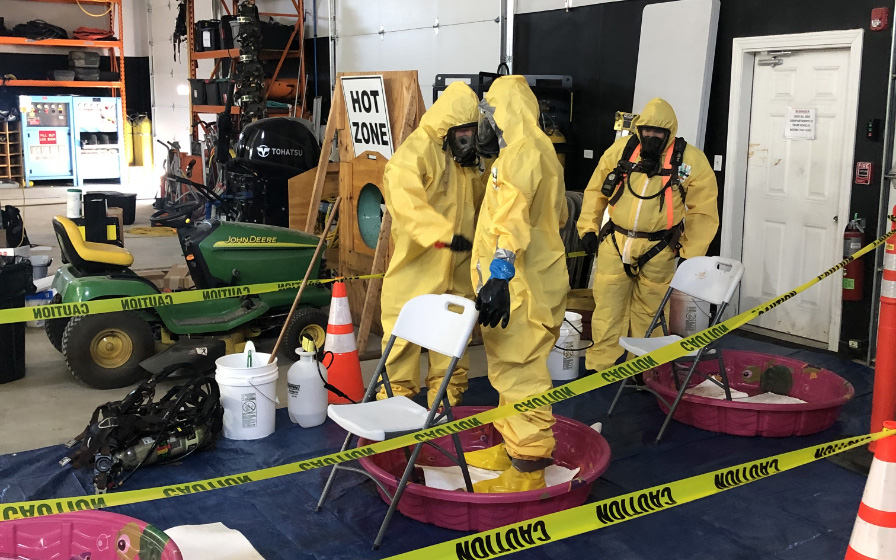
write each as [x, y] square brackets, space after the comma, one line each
[117, 214]
[156, 276]
[178, 278]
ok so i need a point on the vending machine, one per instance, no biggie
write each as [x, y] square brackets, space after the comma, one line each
[47, 134]
[99, 138]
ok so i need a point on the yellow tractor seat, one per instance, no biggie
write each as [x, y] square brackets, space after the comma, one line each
[87, 256]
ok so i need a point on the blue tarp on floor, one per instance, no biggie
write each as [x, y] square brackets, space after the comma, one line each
[804, 513]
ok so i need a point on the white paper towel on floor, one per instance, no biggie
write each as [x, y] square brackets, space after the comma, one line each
[450, 478]
[710, 390]
[213, 541]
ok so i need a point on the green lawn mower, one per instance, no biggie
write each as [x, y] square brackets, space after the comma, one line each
[105, 350]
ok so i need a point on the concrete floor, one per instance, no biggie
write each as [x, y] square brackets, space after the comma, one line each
[49, 406]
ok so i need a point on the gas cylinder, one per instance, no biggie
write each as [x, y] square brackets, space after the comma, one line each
[307, 396]
[128, 142]
[853, 273]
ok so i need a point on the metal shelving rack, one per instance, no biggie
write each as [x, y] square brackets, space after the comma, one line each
[11, 166]
[115, 49]
[281, 56]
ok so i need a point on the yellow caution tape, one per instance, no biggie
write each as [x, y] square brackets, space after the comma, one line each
[579, 386]
[553, 527]
[94, 307]
[61, 310]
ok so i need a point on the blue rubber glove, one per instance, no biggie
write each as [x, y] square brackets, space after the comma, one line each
[502, 269]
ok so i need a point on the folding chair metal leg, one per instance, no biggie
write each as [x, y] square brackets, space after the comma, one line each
[409, 469]
[368, 395]
[723, 374]
[622, 386]
[402, 484]
[323, 495]
[684, 387]
[462, 463]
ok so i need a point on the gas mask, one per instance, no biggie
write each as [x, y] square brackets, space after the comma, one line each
[653, 140]
[461, 140]
[488, 135]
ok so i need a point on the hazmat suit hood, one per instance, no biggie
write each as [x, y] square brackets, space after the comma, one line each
[458, 104]
[658, 113]
[516, 108]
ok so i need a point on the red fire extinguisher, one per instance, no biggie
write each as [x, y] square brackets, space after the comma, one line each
[854, 273]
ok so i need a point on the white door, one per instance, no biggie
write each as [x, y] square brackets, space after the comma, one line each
[793, 190]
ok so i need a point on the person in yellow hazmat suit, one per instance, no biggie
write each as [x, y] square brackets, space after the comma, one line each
[661, 193]
[433, 187]
[519, 264]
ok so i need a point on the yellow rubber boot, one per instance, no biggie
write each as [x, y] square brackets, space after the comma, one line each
[455, 397]
[511, 480]
[493, 458]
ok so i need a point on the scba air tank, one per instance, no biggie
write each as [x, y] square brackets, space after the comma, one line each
[307, 396]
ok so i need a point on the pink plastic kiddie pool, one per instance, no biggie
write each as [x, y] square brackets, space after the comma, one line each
[823, 391]
[578, 446]
[84, 535]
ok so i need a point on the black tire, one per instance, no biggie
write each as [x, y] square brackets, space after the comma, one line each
[310, 320]
[128, 341]
[55, 328]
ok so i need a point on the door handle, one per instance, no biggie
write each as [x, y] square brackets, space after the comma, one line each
[836, 219]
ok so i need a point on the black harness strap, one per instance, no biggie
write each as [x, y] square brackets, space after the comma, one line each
[665, 238]
[118, 425]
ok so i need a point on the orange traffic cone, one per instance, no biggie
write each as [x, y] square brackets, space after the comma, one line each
[874, 534]
[344, 370]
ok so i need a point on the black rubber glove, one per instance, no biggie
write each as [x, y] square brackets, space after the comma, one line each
[493, 303]
[590, 242]
[460, 244]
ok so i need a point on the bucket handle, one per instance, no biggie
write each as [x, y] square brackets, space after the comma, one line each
[565, 320]
[275, 400]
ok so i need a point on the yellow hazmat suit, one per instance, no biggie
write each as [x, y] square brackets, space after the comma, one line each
[431, 198]
[521, 214]
[624, 306]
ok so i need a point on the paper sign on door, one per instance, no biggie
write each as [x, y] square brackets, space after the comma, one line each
[799, 124]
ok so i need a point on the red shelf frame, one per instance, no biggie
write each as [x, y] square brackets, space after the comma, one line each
[117, 58]
[25, 42]
[229, 7]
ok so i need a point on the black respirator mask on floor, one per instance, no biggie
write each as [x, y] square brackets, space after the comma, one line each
[461, 140]
[652, 149]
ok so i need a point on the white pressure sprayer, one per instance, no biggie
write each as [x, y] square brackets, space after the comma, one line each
[307, 395]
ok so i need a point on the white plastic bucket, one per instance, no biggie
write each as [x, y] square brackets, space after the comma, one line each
[73, 203]
[248, 393]
[35, 299]
[564, 364]
[686, 314]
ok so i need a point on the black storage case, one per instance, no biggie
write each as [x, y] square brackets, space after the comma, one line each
[15, 283]
[198, 92]
[207, 35]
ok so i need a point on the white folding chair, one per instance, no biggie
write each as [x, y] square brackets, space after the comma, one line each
[439, 323]
[710, 279]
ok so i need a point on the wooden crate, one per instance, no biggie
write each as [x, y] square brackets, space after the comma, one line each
[11, 162]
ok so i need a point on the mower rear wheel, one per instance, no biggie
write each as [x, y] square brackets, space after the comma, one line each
[105, 351]
[55, 329]
[310, 321]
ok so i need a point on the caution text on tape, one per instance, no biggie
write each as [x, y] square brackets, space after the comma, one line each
[591, 517]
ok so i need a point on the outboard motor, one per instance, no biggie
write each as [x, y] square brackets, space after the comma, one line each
[268, 153]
